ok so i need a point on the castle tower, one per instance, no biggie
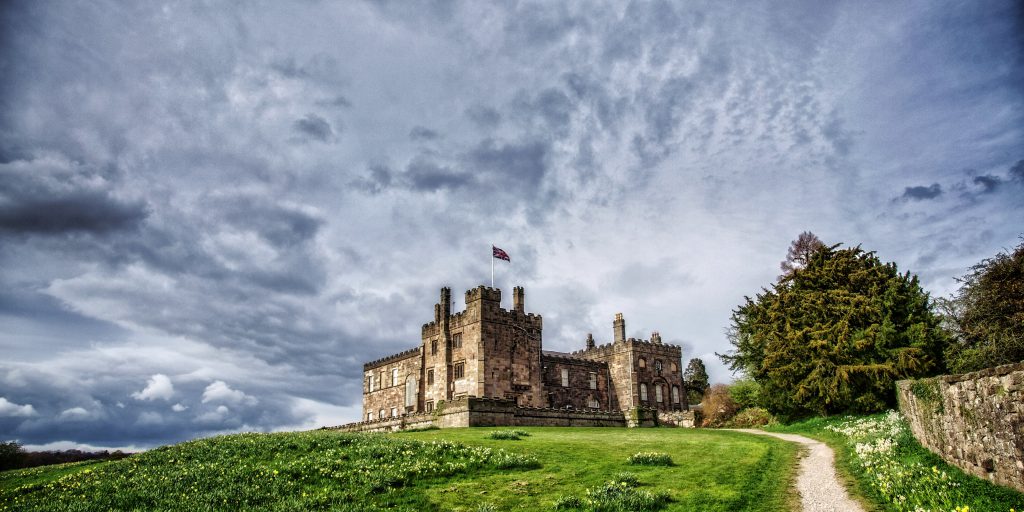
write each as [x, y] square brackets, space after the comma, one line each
[619, 328]
[590, 341]
[518, 299]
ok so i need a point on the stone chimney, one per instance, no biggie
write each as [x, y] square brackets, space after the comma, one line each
[619, 328]
[590, 341]
[518, 299]
[656, 337]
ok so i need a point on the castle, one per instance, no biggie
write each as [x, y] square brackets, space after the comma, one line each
[486, 366]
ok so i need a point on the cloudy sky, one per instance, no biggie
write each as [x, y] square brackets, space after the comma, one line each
[212, 213]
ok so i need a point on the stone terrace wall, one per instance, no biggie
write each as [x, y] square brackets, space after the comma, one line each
[973, 420]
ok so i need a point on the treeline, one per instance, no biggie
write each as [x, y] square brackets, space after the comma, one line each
[13, 456]
[839, 327]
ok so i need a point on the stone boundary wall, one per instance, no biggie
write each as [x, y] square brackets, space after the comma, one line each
[497, 412]
[973, 420]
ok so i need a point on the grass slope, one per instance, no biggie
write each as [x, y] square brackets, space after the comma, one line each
[455, 469]
[888, 467]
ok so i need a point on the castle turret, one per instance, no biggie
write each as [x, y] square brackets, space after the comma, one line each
[656, 337]
[590, 341]
[619, 327]
[518, 299]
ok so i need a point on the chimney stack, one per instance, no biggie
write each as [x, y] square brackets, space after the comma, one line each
[590, 341]
[656, 337]
[619, 327]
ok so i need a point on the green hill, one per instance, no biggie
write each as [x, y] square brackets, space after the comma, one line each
[456, 469]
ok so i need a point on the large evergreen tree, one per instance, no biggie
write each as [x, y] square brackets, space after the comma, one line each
[695, 379]
[835, 335]
[986, 316]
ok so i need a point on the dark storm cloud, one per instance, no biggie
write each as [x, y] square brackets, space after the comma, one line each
[524, 163]
[483, 116]
[315, 127]
[988, 183]
[420, 133]
[1017, 171]
[425, 175]
[55, 196]
[920, 192]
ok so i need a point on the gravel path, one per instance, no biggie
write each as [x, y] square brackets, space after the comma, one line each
[820, 490]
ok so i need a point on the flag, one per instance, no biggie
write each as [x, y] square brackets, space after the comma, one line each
[500, 254]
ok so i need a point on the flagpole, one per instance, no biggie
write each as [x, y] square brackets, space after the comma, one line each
[492, 266]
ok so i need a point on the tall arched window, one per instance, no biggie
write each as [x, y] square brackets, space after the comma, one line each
[642, 363]
[657, 394]
[675, 394]
[643, 392]
[410, 391]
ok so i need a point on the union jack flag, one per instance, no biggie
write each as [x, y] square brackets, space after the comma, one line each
[500, 254]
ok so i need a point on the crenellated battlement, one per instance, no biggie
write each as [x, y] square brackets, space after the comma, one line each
[392, 358]
[484, 293]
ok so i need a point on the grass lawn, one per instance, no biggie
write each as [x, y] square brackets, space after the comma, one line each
[454, 469]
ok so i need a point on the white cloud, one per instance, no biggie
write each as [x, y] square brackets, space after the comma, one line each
[215, 416]
[158, 387]
[75, 414]
[219, 391]
[11, 409]
[178, 407]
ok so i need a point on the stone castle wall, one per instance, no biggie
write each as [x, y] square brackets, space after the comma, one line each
[973, 420]
[588, 385]
[496, 412]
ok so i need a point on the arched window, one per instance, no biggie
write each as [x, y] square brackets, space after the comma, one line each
[643, 392]
[675, 394]
[675, 367]
[642, 363]
[657, 394]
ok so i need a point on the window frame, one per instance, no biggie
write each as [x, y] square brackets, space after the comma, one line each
[457, 340]
[430, 376]
[642, 362]
[643, 392]
[565, 377]
[593, 380]
[459, 370]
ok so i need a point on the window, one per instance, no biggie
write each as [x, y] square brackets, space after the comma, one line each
[457, 340]
[642, 363]
[675, 394]
[394, 376]
[369, 416]
[657, 366]
[593, 403]
[369, 383]
[394, 412]
[565, 377]
[380, 380]
[430, 405]
[430, 377]
[593, 380]
[643, 392]
[380, 414]
[433, 347]
[460, 370]
[657, 394]
[675, 367]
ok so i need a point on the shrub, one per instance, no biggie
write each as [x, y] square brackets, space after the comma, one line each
[615, 496]
[752, 417]
[506, 435]
[650, 459]
[11, 455]
[746, 393]
[719, 407]
[627, 478]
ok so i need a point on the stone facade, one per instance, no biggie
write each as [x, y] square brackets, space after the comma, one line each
[973, 420]
[490, 352]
